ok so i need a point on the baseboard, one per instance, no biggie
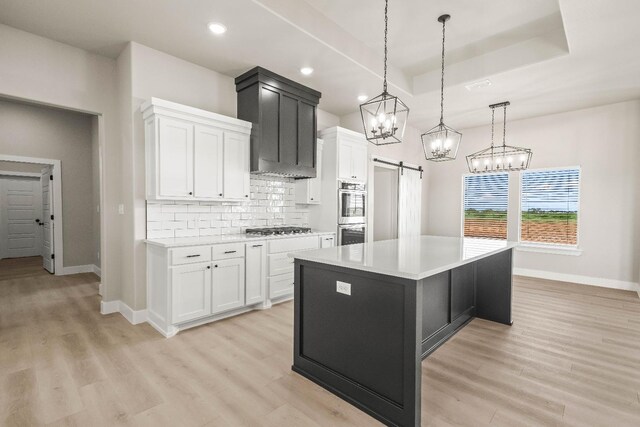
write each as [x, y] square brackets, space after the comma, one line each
[97, 270]
[77, 269]
[134, 317]
[582, 280]
[100, 289]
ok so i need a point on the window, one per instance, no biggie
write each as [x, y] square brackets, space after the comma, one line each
[486, 198]
[549, 201]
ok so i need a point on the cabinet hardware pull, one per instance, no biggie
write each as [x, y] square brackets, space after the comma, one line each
[209, 267]
[220, 194]
[230, 252]
[216, 266]
[246, 195]
[192, 256]
[257, 246]
[329, 238]
[191, 193]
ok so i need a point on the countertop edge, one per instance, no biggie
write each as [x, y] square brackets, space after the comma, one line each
[240, 239]
[305, 256]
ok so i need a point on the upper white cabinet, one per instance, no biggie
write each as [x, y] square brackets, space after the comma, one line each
[193, 154]
[309, 191]
[352, 158]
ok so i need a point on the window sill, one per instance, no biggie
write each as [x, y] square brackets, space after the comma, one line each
[550, 249]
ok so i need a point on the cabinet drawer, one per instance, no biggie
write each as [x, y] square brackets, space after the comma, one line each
[293, 244]
[190, 255]
[280, 264]
[228, 250]
[281, 285]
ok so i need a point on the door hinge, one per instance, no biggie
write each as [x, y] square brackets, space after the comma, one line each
[51, 217]
[50, 177]
[53, 256]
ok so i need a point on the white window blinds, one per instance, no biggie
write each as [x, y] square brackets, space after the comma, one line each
[549, 206]
[486, 199]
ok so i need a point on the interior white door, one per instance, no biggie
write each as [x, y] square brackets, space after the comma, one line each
[175, 152]
[47, 220]
[207, 162]
[409, 203]
[20, 203]
[236, 166]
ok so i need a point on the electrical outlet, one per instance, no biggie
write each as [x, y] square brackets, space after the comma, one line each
[343, 288]
[121, 209]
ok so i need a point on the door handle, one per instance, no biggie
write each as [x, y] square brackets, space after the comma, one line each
[37, 220]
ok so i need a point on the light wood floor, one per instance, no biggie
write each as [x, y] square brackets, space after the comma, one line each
[572, 357]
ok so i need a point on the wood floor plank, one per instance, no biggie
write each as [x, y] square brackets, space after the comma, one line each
[572, 358]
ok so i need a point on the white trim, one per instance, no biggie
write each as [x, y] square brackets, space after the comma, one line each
[582, 280]
[97, 271]
[550, 249]
[100, 289]
[134, 317]
[76, 269]
[21, 174]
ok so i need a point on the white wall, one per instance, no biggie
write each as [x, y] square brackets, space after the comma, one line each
[44, 71]
[605, 142]
[50, 133]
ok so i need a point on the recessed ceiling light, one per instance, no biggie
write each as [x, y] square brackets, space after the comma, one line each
[306, 70]
[478, 85]
[217, 28]
[362, 98]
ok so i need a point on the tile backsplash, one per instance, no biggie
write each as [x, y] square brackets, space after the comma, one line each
[272, 203]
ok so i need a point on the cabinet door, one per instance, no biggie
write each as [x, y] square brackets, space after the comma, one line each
[207, 162]
[269, 124]
[190, 292]
[306, 135]
[236, 166]
[327, 241]
[175, 158]
[315, 184]
[227, 285]
[359, 162]
[256, 272]
[288, 129]
[344, 160]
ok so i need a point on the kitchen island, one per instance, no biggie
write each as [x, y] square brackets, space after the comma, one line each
[367, 314]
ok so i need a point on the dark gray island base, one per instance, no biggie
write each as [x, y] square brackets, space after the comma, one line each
[367, 347]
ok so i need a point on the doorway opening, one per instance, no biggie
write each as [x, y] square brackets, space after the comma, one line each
[30, 209]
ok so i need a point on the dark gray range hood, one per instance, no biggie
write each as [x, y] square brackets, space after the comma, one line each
[283, 113]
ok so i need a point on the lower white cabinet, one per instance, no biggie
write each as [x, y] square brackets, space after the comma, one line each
[192, 285]
[191, 292]
[227, 285]
[256, 274]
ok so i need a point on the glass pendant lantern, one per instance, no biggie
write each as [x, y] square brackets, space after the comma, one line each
[503, 158]
[384, 117]
[441, 142]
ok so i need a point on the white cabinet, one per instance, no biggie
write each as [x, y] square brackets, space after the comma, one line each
[352, 160]
[175, 158]
[309, 191]
[255, 272]
[191, 292]
[236, 163]
[208, 150]
[194, 154]
[327, 241]
[227, 284]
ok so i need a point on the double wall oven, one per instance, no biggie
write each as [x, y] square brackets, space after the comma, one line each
[352, 202]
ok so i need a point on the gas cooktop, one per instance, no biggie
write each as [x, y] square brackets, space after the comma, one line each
[278, 230]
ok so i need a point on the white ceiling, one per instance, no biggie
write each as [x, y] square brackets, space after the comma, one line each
[544, 56]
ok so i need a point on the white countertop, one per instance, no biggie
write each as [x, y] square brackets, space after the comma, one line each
[176, 242]
[410, 257]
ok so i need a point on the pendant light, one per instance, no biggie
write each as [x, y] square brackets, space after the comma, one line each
[499, 159]
[441, 142]
[385, 116]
